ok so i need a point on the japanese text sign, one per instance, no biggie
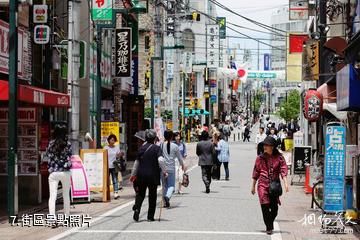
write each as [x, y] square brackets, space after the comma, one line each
[334, 172]
[212, 45]
[123, 56]
[102, 10]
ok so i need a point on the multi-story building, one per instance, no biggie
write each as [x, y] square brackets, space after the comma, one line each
[280, 20]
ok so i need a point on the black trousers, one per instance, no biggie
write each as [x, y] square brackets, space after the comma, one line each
[270, 212]
[140, 196]
[206, 175]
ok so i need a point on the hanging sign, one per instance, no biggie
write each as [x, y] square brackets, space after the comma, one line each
[298, 10]
[334, 172]
[40, 13]
[212, 47]
[123, 53]
[222, 27]
[41, 34]
[101, 10]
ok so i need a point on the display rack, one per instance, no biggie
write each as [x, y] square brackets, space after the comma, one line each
[27, 149]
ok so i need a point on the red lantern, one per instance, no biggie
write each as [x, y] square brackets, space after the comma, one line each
[313, 105]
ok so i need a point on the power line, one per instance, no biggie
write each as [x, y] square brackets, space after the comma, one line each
[272, 29]
[215, 20]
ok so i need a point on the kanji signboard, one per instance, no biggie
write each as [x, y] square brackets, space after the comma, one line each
[334, 172]
[123, 51]
[212, 45]
[101, 10]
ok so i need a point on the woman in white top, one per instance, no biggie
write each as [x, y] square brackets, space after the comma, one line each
[113, 153]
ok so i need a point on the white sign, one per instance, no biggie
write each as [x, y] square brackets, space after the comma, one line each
[212, 48]
[4, 49]
[41, 34]
[93, 163]
[170, 71]
[40, 14]
[188, 60]
[298, 139]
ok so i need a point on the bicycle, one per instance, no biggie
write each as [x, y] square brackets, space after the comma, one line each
[318, 195]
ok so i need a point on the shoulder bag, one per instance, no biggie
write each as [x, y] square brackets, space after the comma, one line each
[275, 189]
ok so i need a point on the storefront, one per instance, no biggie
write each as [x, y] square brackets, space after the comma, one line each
[33, 137]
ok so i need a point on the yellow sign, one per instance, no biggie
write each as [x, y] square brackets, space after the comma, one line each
[108, 128]
[311, 61]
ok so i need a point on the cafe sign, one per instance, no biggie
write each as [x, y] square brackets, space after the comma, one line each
[123, 51]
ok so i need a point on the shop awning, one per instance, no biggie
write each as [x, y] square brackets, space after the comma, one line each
[331, 107]
[35, 95]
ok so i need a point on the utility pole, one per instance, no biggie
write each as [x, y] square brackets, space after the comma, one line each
[258, 56]
[176, 89]
[73, 75]
[12, 181]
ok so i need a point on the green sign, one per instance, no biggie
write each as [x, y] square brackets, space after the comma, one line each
[261, 75]
[101, 10]
[222, 27]
[64, 60]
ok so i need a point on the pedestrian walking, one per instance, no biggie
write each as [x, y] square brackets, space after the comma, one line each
[205, 151]
[223, 154]
[179, 172]
[58, 154]
[268, 169]
[146, 174]
[114, 155]
[247, 133]
[260, 137]
[171, 154]
[226, 130]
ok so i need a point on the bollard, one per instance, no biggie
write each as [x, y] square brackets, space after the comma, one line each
[238, 136]
[307, 187]
[234, 137]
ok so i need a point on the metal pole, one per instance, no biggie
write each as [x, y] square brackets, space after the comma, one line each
[12, 181]
[152, 93]
[73, 76]
[183, 104]
[98, 87]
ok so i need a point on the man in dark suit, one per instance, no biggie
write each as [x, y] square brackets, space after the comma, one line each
[146, 174]
[206, 151]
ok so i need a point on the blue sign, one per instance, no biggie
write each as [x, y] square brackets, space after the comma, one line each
[213, 99]
[334, 171]
[266, 62]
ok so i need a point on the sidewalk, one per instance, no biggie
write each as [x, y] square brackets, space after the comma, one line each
[93, 209]
[295, 206]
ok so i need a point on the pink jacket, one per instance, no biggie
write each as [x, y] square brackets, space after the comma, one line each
[261, 175]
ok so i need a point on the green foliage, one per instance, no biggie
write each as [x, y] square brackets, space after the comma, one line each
[290, 109]
[147, 112]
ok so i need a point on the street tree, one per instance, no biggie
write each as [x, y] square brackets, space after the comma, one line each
[290, 108]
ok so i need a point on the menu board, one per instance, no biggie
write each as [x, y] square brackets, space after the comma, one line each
[96, 167]
[27, 149]
[334, 172]
[302, 156]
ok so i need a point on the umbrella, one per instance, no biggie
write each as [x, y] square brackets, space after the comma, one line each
[140, 135]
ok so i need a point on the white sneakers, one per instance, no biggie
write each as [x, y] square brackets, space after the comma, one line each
[116, 195]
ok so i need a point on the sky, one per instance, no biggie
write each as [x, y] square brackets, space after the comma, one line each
[258, 10]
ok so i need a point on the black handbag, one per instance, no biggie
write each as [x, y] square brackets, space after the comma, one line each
[275, 189]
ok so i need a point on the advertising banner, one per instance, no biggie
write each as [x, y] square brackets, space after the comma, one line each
[108, 128]
[334, 172]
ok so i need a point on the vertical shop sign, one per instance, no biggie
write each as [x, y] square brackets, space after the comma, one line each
[212, 52]
[334, 172]
[123, 53]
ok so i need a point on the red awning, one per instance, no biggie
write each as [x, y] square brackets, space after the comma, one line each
[35, 95]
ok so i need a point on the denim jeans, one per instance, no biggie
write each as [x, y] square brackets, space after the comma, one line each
[226, 167]
[169, 185]
[114, 179]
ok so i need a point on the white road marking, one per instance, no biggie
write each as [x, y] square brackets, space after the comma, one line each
[171, 232]
[277, 234]
[106, 214]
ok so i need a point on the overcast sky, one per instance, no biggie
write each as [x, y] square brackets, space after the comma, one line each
[258, 10]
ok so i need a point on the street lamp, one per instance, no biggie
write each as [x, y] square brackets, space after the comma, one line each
[137, 8]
